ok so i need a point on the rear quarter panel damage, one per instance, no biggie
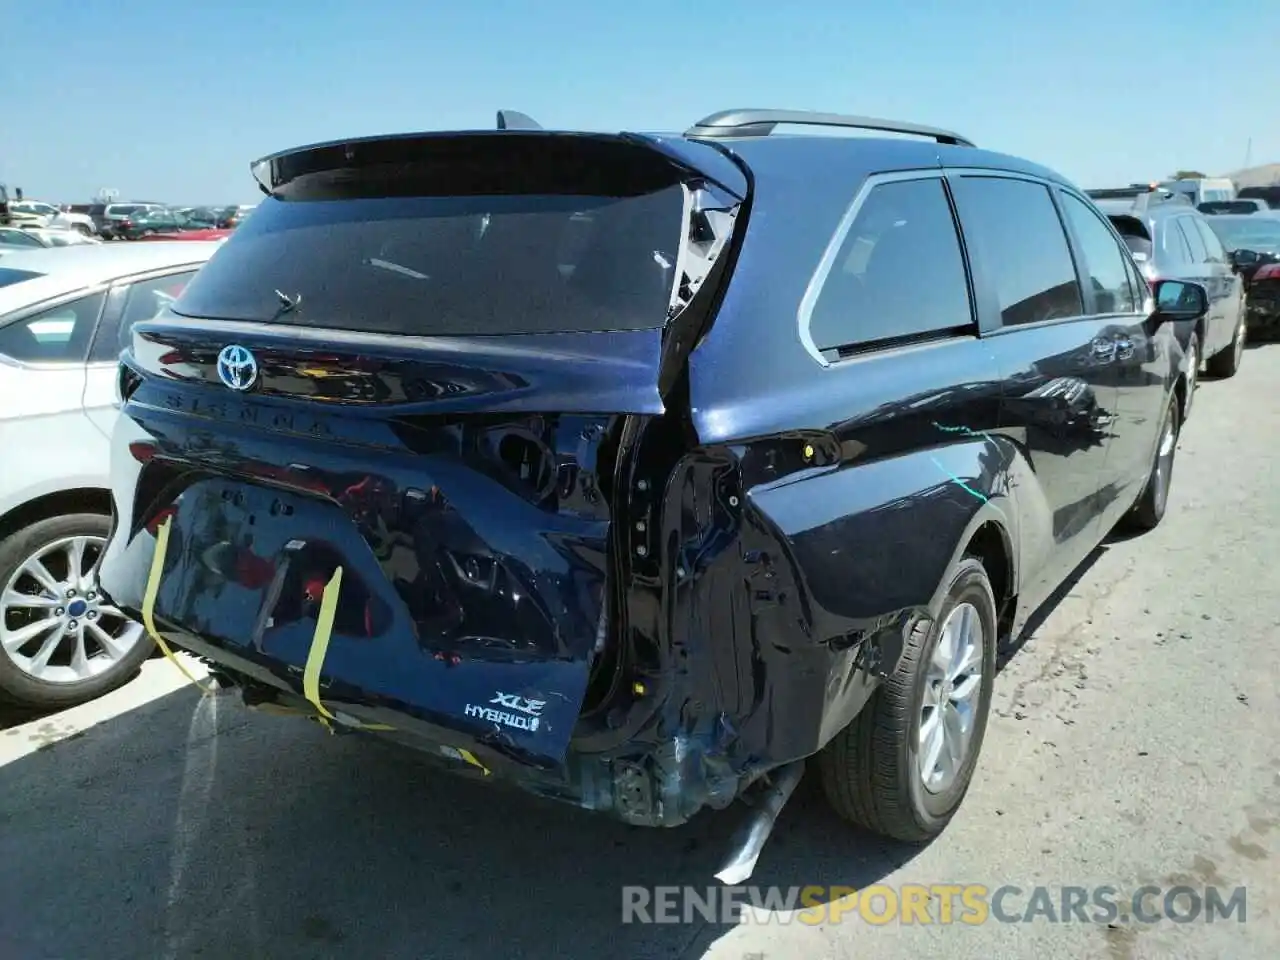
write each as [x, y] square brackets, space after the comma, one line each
[788, 600]
[817, 519]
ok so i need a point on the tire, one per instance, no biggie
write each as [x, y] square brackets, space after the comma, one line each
[1149, 510]
[101, 670]
[1193, 374]
[871, 769]
[82, 229]
[1226, 362]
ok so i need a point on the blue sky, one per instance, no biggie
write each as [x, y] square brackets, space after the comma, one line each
[170, 99]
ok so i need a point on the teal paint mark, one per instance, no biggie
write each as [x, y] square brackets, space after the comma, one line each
[963, 430]
[958, 482]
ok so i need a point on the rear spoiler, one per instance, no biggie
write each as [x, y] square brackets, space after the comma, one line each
[437, 155]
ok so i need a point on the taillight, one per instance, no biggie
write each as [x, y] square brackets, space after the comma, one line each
[1270, 271]
[153, 525]
[127, 381]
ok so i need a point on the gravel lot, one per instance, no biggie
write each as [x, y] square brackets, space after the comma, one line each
[1136, 740]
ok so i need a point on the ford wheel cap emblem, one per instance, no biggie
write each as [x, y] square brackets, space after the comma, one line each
[237, 367]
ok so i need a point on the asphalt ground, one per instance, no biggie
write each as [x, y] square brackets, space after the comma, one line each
[1134, 751]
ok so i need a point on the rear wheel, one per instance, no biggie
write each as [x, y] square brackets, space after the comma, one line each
[60, 643]
[1225, 363]
[904, 764]
[83, 229]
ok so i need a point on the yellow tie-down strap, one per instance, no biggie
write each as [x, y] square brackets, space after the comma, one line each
[149, 604]
[315, 653]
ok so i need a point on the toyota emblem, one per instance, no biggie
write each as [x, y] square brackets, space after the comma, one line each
[237, 367]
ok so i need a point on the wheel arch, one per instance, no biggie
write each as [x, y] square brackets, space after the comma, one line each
[1181, 372]
[56, 504]
[991, 538]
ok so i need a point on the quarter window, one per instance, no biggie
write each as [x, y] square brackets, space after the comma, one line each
[1015, 228]
[60, 334]
[1105, 266]
[1173, 245]
[1198, 252]
[899, 272]
[144, 300]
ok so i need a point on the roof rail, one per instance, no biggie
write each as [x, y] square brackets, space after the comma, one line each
[760, 123]
[515, 120]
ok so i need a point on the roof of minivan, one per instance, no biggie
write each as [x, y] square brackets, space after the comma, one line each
[67, 269]
[778, 153]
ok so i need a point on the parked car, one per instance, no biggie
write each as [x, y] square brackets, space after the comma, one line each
[1270, 195]
[31, 213]
[1254, 245]
[1174, 241]
[149, 223]
[1245, 206]
[1140, 195]
[63, 317]
[1203, 189]
[116, 214]
[94, 211]
[29, 237]
[637, 469]
[191, 233]
[34, 213]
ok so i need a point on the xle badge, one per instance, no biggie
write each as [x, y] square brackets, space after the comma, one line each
[509, 710]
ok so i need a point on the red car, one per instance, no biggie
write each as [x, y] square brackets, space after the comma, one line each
[213, 233]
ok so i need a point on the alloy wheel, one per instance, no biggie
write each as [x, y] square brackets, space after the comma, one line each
[1193, 374]
[952, 687]
[55, 625]
[1164, 460]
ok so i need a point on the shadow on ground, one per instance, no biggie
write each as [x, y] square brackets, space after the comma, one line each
[193, 828]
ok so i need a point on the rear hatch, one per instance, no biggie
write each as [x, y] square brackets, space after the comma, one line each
[416, 361]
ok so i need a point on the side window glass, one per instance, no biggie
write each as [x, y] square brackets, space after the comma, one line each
[60, 334]
[1211, 242]
[144, 300]
[1016, 229]
[1106, 266]
[899, 271]
[1173, 245]
[1141, 286]
[1198, 253]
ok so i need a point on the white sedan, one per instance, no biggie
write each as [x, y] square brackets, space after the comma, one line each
[64, 316]
[27, 238]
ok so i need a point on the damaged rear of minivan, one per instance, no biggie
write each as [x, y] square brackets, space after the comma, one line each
[374, 464]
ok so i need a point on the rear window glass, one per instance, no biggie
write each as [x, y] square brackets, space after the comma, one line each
[9, 276]
[1135, 236]
[437, 266]
[1228, 206]
[1140, 247]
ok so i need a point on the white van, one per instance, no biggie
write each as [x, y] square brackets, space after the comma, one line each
[1203, 190]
